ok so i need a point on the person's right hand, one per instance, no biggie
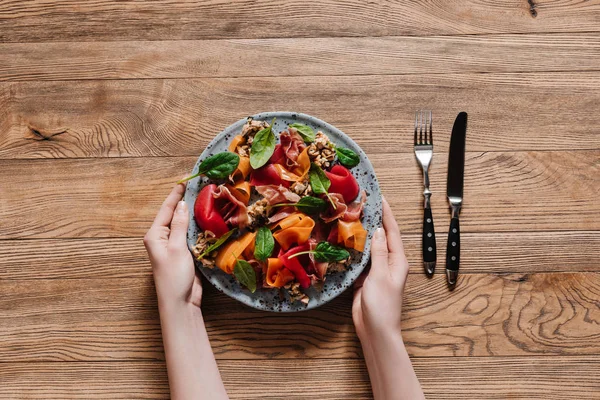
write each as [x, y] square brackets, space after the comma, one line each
[172, 263]
[377, 305]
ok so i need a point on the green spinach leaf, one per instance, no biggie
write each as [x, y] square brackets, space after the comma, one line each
[308, 205]
[307, 133]
[347, 157]
[217, 244]
[326, 252]
[263, 146]
[318, 180]
[218, 166]
[245, 274]
[264, 244]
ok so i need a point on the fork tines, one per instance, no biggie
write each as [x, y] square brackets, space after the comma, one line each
[423, 120]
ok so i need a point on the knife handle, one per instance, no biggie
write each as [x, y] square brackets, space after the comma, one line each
[453, 250]
[429, 248]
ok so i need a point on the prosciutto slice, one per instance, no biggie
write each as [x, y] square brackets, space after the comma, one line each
[292, 145]
[320, 268]
[355, 209]
[278, 156]
[283, 213]
[342, 211]
[277, 194]
[233, 211]
[336, 212]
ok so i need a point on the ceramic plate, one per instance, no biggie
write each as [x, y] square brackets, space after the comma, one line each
[266, 299]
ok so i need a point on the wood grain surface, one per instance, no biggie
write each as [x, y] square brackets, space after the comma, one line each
[68, 20]
[104, 104]
[311, 56]
[487, 315]
[539, 377]
[123, 194]
[124, 118]
[499, 252]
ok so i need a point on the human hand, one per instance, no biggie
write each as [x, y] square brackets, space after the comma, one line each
[377, 305]
[172, 263]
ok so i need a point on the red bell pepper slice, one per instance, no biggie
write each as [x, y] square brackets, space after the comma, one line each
[205, 212]
[267, 175]
[293, 264]
[343, 182]
[278, 156]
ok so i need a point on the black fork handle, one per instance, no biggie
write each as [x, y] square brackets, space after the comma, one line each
[429, 247]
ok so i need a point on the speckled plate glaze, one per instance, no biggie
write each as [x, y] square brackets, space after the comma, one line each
[269, 300]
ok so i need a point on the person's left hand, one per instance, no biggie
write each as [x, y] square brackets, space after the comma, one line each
[172, 263]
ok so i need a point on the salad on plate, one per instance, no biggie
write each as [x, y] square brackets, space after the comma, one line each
[280, 211]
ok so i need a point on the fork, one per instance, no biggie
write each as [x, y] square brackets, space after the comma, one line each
[424, 153]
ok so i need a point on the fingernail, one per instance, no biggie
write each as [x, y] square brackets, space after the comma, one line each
[180, 207]
[379, 234]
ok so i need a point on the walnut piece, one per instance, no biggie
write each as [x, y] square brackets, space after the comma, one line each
[295, 294]
[258, 213]
[321, 151]
[205, 239]
[243, 150]
[251, 127]
[339, 266]
[301, 188]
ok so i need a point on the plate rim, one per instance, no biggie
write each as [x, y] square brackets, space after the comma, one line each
[267, 115]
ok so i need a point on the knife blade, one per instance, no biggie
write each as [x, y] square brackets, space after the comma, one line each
[454, 191]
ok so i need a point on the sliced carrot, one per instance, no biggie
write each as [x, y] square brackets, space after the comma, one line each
[299, 172]
[352, 234]
[295, 228]
[231, 252]
[235, 142]
[241, 191]
[303, 165]
[242, 171]
[276, 274]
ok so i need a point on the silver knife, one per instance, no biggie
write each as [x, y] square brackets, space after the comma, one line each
[454, 189]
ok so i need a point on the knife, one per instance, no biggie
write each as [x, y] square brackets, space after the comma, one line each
[454, 190]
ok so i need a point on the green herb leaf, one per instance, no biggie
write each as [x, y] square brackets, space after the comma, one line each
[308, 205]
[264, 245]
[347, 157]
[305, 131]
[325, 251]
[263, 146]
[318, 180]
[245, 274]
[218, 166]
[311, 205]
[217, 244]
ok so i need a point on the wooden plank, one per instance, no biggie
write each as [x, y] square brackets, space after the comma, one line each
[73, 258]
[543, 378]
[541, 111]
[515, 252]
[107, 20]
[119, 197]
[487, 315]
[314, 56]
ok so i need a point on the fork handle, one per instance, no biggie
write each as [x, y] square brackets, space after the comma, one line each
[429, 248]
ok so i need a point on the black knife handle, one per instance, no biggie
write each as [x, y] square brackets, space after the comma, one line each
[453, 248]
[429, 249]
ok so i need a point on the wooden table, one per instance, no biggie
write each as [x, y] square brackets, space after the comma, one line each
[104, 104]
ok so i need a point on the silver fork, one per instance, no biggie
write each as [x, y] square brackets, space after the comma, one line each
[424, 153]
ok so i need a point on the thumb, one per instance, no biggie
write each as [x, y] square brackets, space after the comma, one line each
[179, 225]
[379, 253]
